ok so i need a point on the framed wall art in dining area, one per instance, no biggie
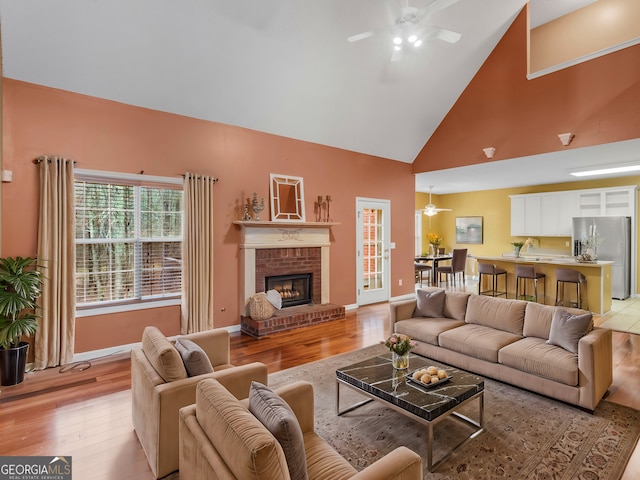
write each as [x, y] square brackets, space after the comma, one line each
[469, 230]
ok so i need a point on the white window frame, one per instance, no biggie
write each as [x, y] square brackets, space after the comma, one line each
[135, 179]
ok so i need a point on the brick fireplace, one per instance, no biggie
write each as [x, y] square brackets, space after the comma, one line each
[279, 248]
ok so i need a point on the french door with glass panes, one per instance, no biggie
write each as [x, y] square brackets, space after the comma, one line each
[372, 234]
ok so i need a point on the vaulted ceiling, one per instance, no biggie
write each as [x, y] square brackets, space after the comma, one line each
[278, 66]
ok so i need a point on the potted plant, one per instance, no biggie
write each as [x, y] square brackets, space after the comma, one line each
[516, 248]
[20, 287]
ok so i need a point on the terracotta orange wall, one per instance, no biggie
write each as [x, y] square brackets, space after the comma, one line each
[595, 27]
[598, 101]
[105, 135]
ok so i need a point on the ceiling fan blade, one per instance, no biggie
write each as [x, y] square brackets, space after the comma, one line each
[436, 6]
[447, 35]
[360, 36]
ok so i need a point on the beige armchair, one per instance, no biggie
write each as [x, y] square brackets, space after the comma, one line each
[160, 387]
[221, 439]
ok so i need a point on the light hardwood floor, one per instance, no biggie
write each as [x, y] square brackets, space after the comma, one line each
[87, 414]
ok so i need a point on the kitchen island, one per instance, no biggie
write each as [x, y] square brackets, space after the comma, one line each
[596, 291]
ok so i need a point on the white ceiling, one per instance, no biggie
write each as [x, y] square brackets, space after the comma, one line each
[277, 66]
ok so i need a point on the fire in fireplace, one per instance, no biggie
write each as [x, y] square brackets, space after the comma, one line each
[294, 289]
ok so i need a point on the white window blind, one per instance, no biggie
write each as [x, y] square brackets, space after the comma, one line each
[128, 242]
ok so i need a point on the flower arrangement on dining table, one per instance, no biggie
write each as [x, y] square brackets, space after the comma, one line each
[434, 239]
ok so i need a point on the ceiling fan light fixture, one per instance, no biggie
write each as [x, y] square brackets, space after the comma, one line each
[397, 40]
[417, 43]
[412, 39]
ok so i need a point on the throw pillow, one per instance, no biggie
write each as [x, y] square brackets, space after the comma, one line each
[277, 417]
[429, 304]
[567, 329]
[194, 358]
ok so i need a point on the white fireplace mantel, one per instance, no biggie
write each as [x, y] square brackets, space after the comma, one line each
[259, 235]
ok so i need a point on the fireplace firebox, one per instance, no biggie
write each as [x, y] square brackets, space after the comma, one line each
[294, 289]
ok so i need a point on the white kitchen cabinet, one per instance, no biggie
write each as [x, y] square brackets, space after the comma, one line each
[607, 202]
[550, 214]
[525, 215]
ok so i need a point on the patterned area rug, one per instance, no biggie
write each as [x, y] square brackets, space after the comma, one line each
[525, 435]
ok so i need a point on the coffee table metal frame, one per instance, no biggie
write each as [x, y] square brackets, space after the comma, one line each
[431, 466]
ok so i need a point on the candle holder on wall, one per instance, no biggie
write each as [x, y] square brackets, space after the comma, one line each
[319, 209]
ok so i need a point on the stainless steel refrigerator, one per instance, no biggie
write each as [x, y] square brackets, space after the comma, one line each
[614, 238]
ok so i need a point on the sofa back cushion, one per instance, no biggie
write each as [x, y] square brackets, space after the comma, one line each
[537, 319]
[162, 355]
[455, 305]
[498, 313]
[245, 445]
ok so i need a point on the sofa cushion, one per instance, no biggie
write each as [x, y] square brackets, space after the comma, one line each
[162, 355]
[499, 313]
[426, 330]
[429, 303]
[455, 305]
[276, 415]
[245, 445]
[194, 358]
[477, 341]
[537, 320]
[567, 329]
[533, 355]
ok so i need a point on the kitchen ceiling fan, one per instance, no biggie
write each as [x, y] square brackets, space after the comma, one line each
[411, 28]
[430, 210]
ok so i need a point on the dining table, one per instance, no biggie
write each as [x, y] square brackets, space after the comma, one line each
[434, 260]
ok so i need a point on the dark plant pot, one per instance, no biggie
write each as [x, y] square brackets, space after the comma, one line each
[12, 364]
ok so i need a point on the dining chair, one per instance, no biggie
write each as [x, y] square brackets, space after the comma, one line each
[420, 269]
[458, 265]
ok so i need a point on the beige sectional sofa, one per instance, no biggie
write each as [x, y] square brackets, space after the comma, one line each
[509, 340]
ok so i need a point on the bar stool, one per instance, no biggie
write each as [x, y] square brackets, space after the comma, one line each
[528, 272]
[494, 272]
[567, 275]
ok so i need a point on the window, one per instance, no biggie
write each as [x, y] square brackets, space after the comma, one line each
[128, 242]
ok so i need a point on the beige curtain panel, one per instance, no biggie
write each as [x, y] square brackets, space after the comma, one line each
[56, 252]
[197, 254]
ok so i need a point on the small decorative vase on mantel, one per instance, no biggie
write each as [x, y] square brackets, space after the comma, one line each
[516, 250]
[400, 362]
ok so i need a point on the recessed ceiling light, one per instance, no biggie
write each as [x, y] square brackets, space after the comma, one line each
[417, 43]
[606, 171]
[397, 40]
[412, 38]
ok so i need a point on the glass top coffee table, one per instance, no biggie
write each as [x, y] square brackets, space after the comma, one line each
[377, 379]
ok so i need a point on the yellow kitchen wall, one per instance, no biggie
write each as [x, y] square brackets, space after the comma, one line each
[494, 206]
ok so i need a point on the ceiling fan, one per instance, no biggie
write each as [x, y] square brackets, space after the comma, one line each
[430, 210]
[411, 28]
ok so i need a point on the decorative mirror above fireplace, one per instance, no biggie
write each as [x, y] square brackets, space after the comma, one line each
[287, 199]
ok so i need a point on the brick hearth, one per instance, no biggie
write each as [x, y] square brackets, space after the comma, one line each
[290, 318]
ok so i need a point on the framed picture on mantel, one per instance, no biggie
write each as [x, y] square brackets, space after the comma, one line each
[468, 229]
